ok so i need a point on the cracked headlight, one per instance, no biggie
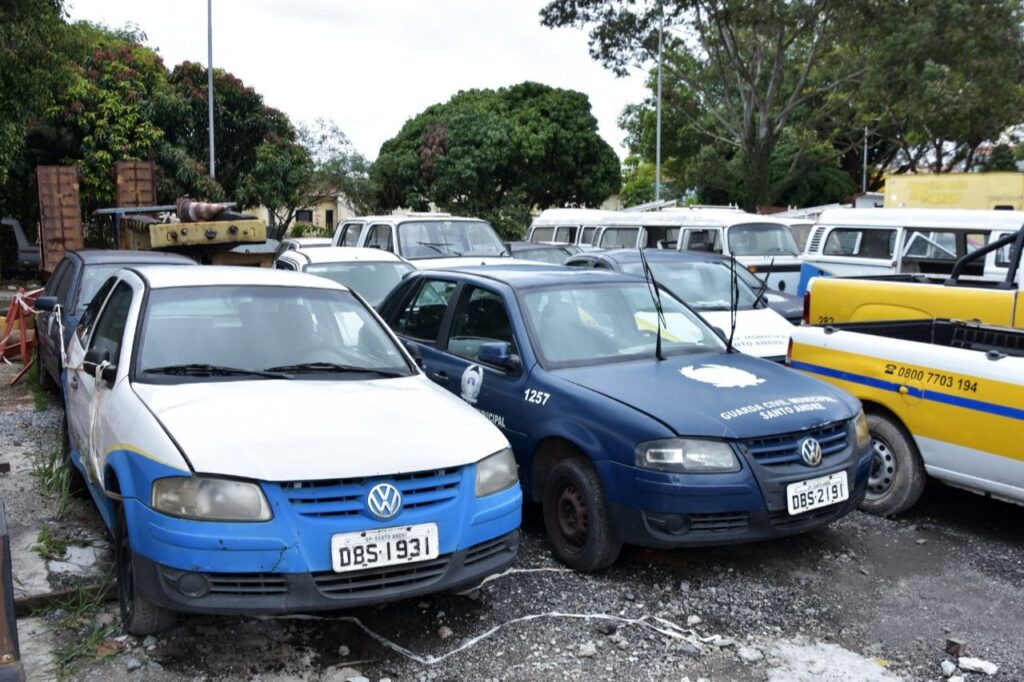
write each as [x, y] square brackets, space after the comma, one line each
[210, 499]
[687, 456]
[496, 473]
[861, 427]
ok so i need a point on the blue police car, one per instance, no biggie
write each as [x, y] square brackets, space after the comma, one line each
[625, 437]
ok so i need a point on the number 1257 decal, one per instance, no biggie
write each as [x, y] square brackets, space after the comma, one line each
[536, 397]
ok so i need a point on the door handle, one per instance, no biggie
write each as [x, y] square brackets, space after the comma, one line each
[440, 377]
[73, 380]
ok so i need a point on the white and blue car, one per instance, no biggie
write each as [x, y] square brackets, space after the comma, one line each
[184, 390]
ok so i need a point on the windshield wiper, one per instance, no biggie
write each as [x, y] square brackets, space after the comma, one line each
[764, 285]
[201, 370]
[436, 247]
[330, 367]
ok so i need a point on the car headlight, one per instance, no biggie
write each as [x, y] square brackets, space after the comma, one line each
[210, 499]
[496, 473]
[687, 456]
[860, 423]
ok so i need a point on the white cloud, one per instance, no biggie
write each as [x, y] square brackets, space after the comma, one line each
[370, 64]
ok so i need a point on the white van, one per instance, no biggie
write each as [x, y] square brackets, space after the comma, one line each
[920, 241]
[575, 226]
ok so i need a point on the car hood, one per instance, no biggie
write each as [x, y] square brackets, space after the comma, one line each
[718, 395]
[762, 332]
[461, 262]
[293, 430]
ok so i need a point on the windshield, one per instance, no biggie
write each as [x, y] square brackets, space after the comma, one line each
[761, 239]
[372, 280]
[256, 328]
[704, 286]
[600, 323]
[446, 238]
[556, 256]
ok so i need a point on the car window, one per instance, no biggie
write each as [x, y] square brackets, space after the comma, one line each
[553, 256]
[379, 237]
[588, 235]
[708, 240]
[566, 235]
[109, 332]
[422, 318]
[581, 263]
[480, 317]
[283, 265]
[85, 323]
[372, 280]
[619, 237]
[860, 243]
[704, 286]
[350, 234]
[542, 234]
[59, 274]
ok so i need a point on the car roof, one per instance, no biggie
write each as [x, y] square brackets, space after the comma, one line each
[531, 276]
[163, 277]
[340, 254]
[653, 256]
[118, 256]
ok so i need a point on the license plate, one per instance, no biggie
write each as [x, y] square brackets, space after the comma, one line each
[384, 547]
[816, 492]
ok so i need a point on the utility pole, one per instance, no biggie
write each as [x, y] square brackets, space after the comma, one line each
[209, 81]
[864, 170]
[657, 140]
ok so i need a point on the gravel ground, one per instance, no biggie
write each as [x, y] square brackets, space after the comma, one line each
[864, 599]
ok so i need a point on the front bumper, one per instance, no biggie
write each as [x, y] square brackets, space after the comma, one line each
[278, 593]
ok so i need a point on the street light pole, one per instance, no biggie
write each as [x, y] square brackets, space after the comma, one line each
[657, 140]
[209, 81]
[864, 171]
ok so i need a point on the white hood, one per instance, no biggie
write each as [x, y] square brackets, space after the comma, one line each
[465, 261]
[281, 430]
[761, 332]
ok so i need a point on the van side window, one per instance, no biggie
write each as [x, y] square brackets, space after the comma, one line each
[709, 240]
[619, 237]
[565, 235]
[422, 318]
[542, 234]
[588, 236]
[860, 243]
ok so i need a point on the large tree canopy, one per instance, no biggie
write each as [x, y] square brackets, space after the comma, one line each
[497, 154]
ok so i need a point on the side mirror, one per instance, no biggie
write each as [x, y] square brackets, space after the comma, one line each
[95, 357]
[499, 354]
[414, 351]
[46, 304]
[721, 333]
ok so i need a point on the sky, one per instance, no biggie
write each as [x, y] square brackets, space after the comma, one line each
[370, 65]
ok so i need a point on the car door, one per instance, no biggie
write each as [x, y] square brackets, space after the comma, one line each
[420, 319]
[106, 333]
[480, 315]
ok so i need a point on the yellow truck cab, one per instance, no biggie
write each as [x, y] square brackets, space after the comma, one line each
[834, 300]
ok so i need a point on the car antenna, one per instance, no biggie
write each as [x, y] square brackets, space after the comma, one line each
[652, 288]
[734, 301]
[764, 284]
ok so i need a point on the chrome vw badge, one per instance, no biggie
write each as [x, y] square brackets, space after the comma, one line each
[384, 501]
[810, 452]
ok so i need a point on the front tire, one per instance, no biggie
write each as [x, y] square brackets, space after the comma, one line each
[576, 517]
[139, 615]
[897, 476]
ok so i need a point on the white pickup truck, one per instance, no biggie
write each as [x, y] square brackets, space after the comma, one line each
[943, 398]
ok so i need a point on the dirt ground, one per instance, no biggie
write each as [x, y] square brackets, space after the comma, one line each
[863, 599]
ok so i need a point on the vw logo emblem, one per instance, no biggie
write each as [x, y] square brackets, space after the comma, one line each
[810, 452]
[384, 501]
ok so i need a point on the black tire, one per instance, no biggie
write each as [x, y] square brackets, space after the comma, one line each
[897, 473]
[139, 615]
[576, 517]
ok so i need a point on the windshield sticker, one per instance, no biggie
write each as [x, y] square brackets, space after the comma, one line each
[721, 376]
[472, 382]
[770, 409]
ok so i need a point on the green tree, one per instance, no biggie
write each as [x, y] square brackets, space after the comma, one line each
[339, 168]
[1001, 159]
[497, 154]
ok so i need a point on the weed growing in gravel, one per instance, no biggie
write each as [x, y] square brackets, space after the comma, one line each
[50, 470]
[50, 544]
[84, 636]
[84, 647]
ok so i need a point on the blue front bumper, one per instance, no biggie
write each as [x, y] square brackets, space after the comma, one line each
[476, 536]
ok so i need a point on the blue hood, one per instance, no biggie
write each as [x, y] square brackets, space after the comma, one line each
[719, 395]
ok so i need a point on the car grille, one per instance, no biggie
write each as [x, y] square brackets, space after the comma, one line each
[347, 497]
[485, 550]
[381, 579]
[248, 584]
[718, 523]
[785, 449]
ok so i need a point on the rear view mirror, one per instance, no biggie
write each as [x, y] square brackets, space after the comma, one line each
[45, 304]
[499, 354]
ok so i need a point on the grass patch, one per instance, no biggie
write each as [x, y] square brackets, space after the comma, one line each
[85, 643]
[51, 545]
[52, 475]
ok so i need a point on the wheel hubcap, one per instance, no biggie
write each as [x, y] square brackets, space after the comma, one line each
[571, 518]
[883, 468]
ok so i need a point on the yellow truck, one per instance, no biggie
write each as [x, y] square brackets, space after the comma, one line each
[834, 300]
[943, 399]
[955, 190]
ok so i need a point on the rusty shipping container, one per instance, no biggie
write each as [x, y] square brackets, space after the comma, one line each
[135, 183]
[60, 213]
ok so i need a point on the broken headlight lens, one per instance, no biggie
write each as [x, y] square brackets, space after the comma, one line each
[496, 473]
[210, 499]
[860, 423]
[687, 456]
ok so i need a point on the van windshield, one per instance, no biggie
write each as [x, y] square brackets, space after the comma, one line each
[761, 239]
[447, 238]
